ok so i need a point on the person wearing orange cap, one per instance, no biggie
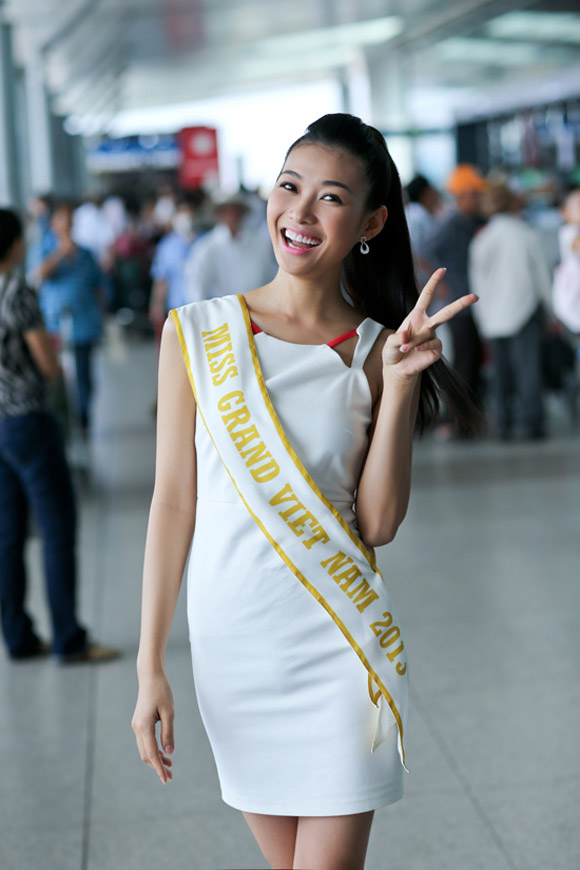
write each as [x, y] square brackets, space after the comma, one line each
[449, 245]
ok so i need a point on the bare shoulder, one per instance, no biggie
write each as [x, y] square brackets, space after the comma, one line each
[173, 374]
[373, 366]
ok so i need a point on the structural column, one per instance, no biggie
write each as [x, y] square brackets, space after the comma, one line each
[389, 99]
[389, 95]
[355, 85]
[38, 123]
[10, 186]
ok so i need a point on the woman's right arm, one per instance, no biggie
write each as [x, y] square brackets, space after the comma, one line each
[171, 524]
[53, 260]
[41, 346]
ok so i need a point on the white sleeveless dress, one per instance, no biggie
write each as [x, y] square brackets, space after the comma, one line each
[283, 697]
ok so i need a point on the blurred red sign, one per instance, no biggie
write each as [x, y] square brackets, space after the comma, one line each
[198, 163]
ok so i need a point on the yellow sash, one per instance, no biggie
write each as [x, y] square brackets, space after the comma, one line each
[301, 524]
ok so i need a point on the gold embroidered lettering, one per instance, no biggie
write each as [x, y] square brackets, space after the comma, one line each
[225, 403]
[219, 379]
[390, 637]
[319, 535]
[389, 634]
[349, 576]
[296, 525]
[266, 472]
[236, 418]
[219, 332]
[364, 595]
[243, 437]
[256, 454]
[285, 494]
[291, 510]
[218, 353]
[336, 562]
[218, 365]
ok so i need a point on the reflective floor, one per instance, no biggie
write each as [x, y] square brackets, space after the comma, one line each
[486, 579]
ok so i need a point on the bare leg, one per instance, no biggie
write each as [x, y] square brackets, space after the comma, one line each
[276, 837]
[332, 842]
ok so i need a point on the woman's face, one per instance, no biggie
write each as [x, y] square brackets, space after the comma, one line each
[316, 211]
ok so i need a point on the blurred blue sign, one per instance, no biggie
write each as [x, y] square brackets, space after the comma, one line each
[130, 153]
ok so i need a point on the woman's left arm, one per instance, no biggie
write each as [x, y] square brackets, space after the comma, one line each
[385, 483]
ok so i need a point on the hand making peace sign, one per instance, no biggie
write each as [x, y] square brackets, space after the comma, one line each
[415, 346]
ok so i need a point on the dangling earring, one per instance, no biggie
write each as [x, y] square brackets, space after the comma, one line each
[364, 247]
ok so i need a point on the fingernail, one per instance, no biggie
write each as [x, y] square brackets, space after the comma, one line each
[169, 749]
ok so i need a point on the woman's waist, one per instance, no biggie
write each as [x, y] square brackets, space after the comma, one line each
[212, 503]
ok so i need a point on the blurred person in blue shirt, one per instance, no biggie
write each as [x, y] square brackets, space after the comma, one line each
[168, 268]
[70, 291]
[37, 231]
[422, 209]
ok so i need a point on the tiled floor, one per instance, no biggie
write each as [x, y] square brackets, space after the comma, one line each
[485, 573]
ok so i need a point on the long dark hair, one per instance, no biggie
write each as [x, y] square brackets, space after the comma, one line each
[10, 230]
[382, 284]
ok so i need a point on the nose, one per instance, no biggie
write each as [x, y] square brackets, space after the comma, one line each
[302, 211]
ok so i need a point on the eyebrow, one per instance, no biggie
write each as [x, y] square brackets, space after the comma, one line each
[327, 181]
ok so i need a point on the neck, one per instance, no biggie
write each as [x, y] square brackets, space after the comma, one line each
[310, 298]
[233, 230]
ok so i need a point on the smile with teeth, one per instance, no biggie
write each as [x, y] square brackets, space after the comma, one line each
[298, 240]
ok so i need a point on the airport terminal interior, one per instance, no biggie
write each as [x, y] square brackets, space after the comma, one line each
[97, 101]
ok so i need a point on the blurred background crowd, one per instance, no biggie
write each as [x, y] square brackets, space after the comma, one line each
[138, 142]
[126, 260]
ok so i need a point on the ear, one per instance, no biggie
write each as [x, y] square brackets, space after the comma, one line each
[375, 222]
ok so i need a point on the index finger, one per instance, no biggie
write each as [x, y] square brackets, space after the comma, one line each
[447, 313]
[152, 756]
[426, 295]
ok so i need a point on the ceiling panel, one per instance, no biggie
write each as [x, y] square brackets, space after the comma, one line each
[135, 53]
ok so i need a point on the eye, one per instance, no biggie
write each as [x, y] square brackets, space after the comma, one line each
[288, 185]
[332, 197]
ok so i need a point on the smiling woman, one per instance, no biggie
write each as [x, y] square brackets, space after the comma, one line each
[285, 431]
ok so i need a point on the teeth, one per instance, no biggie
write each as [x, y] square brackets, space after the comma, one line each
[297, 237]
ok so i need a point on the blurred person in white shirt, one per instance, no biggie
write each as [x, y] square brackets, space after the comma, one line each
[231, 258]
[92, 230]
[164, 209]
[566, 289]
[509, 271]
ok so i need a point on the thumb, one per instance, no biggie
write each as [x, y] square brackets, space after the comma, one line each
[167, 738]
[396, 339]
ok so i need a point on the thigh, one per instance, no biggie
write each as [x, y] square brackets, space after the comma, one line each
[466, 347]
[13, 506]
[333, 842]
[500, 368]
[526, 349]
[83, 355]
[276, 837]
[37, 455]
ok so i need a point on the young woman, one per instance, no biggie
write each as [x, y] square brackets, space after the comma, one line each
[291, 457]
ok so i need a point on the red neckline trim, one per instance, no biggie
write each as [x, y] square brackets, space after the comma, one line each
[344, 337]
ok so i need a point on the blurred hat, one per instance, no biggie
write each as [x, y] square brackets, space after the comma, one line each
[224, 198]
[465, 179]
